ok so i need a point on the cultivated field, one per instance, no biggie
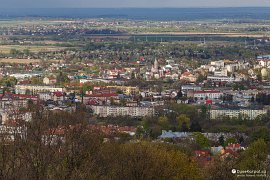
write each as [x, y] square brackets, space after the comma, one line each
[5, 49]
[27, 61]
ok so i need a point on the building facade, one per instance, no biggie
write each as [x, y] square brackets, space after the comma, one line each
[248, 113]
[207, 94]
[33, 89]
[105, 111]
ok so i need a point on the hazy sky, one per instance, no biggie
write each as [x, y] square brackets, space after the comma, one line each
[132, 3]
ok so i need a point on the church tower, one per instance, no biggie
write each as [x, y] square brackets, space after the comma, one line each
[156, 64]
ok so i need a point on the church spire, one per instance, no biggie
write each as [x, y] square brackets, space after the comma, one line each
[156, 64]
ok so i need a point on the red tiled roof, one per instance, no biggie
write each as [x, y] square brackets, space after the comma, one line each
[24, 96]
[233, 146]
[92, 102]
[186, 74]
[58, 94]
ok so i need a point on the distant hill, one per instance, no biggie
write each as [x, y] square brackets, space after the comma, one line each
[142, 13]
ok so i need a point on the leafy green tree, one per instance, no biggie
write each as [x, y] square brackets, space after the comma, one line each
[201, 140]
[179, 94]
[14, 52]
[230, 141]
[221, 140]
[146, 161]
[183, 119]
[195, 127]
[163, 121]
[26, 52]
[262, 133]
[36, 81]
[62, 78]
[8, 81]
[221, 168]
[184, 127]
[204, 112]
[254, 156]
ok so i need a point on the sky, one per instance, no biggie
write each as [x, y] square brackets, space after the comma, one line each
[130, 3]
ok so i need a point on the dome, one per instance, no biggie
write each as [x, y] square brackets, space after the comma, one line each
[264, 72]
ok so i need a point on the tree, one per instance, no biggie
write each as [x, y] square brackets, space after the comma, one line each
[262, 133]
[26, 52]
[14, 52]
[36, 81]
[132, 75]
[146, 160]
[241, 140]
[221, 140]
[8, 81]
[221, 168]
[204, 111]
[200, 78]
[62, 78]
[230, 141]
[195, 127]
[184, 127]
[179, 94]
[254, 156]
[201, 140]
[163, 121]
[183, 119]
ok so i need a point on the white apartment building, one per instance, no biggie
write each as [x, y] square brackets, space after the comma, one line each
[105, 111]
[44, 96]
[23, 76]
[249, 113]
[191, 87]
[22, 89]
[223, 79]
[219, 64]
[209, 94]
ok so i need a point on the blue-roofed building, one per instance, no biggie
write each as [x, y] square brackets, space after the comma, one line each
[264, 60]
[263, 57]
[173, 135]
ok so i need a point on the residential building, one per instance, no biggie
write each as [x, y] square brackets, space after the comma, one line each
[35, 89]
[105, 111]
[249, 113]
[128, 90]
[49, 80]
[187, 76]
[223, 79]
[206, 94]
[101, 97]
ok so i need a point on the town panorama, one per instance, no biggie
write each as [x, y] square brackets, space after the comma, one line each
[167, 96]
